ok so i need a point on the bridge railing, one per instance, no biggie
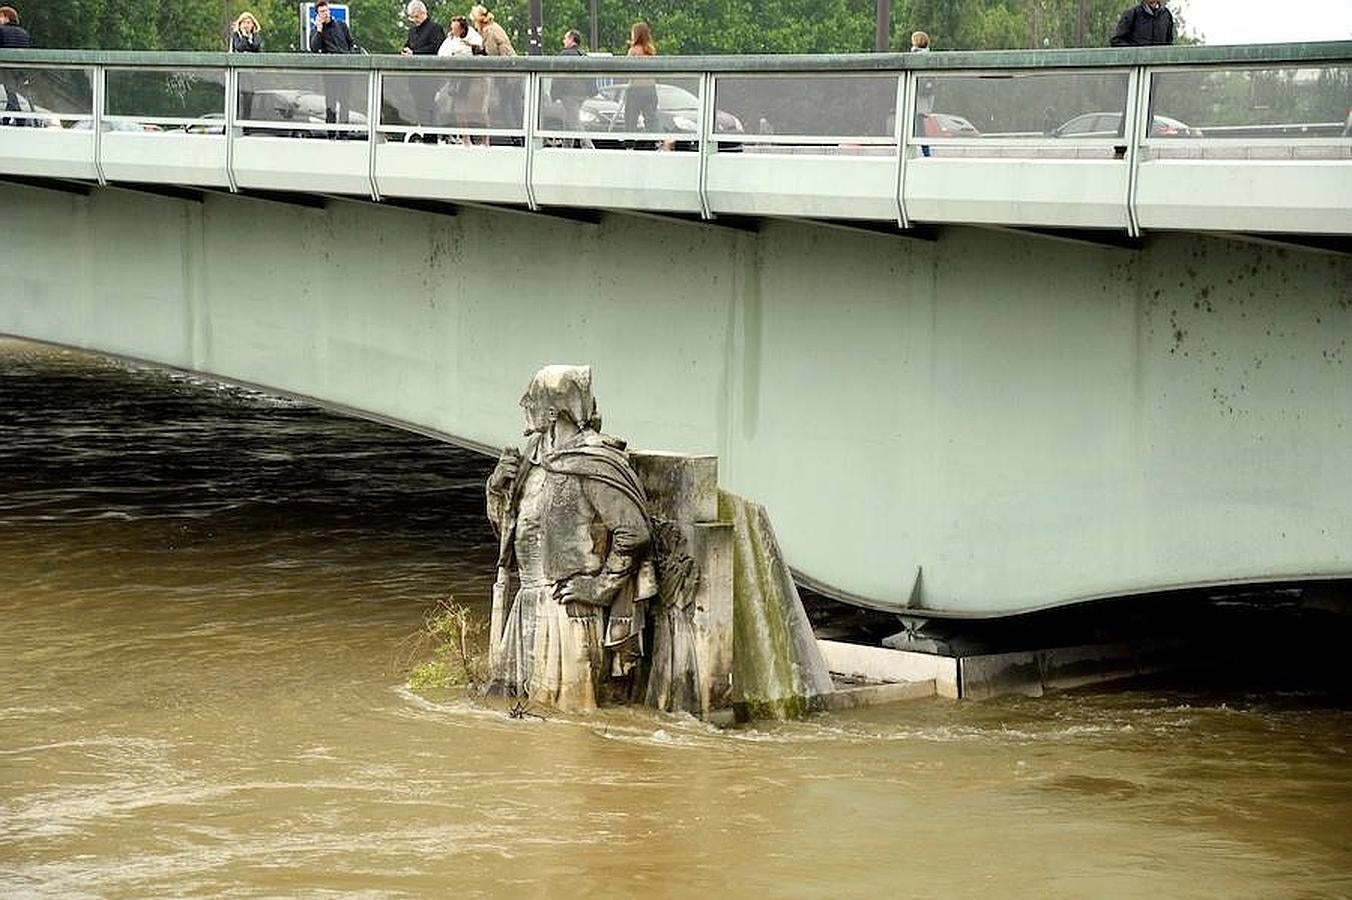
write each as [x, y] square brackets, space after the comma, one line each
[1256, 138]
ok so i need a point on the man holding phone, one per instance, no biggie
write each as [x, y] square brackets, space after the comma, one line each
[333, 36]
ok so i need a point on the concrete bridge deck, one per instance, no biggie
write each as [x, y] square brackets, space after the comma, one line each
[1251, 139]
[959, 419]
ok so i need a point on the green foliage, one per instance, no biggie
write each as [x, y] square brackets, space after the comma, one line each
[457, 642]
[679, 26]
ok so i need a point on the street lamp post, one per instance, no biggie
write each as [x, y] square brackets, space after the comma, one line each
[535, 39]
[882, 32]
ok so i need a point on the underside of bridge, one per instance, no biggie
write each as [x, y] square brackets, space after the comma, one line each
[963, 422]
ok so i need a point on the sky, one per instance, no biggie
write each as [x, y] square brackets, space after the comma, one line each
[1263, 21]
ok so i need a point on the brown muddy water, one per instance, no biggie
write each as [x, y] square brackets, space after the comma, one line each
[206, 599]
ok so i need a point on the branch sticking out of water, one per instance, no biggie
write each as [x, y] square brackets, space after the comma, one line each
[456, 640]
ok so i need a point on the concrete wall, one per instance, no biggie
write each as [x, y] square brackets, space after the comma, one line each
[1032, 421]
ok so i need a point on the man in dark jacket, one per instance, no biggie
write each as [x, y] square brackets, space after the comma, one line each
[424, 39]
[11, 36]
[570, 91]
[333, 36]
[1144, 25]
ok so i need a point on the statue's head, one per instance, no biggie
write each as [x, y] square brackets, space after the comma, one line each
[560, 392]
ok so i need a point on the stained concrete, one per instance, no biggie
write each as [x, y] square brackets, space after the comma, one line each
[1033, 421]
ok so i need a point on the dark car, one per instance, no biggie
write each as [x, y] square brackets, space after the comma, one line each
[1109, 124]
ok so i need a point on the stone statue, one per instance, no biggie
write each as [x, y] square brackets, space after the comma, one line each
[572, 516]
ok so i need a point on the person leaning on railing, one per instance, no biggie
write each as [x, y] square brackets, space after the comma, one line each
[246, 36]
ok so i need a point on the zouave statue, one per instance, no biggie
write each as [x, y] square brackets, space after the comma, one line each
[572, 520]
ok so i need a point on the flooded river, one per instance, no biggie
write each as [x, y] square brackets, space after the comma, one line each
[206, 603]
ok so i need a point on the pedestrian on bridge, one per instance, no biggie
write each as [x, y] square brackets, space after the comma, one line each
[467, 94]
[640, 97]
[424, 39]
[333, 36]
[12, 35]
[1146, 24]
[506, 106]
[569, 91]
[246, 37]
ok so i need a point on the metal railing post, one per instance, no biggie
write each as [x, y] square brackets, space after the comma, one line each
[905, 128]
[373, 85]
[1135, 130]
[532, 115]
[100, 95]
[901, 131]
[231, 113]
[708, 124]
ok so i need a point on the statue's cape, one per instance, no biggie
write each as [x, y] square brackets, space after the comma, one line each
[599, 457]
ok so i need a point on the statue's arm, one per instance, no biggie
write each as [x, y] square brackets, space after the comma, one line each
[628, 526]
[497, 507]
[499, 488]
[630, 539]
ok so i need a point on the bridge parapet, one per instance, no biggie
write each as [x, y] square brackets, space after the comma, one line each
[1207, 138]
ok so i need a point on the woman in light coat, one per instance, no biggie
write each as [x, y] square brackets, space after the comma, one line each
[506, 104]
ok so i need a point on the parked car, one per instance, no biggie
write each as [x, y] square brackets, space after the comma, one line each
[677, 111]
[118, 125]
[1109, 124]
[208, 126]
[47, 119]
[934, 124]
[287, 105]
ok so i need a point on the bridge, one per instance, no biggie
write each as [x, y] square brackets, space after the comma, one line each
[986, 332]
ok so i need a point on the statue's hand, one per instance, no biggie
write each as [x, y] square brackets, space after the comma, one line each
[505, 471]
[580, 589]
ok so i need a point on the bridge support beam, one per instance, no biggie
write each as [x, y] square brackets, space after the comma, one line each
[1035, 422]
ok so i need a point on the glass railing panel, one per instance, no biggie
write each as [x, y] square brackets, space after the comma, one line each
[1296, 112]
[1024, 114]
[185, 101]
[302, 104]
[853, 114]
[452, 108]
[608, 112]
[36, 97]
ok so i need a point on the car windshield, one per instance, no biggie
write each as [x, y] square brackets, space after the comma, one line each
[671, 97]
